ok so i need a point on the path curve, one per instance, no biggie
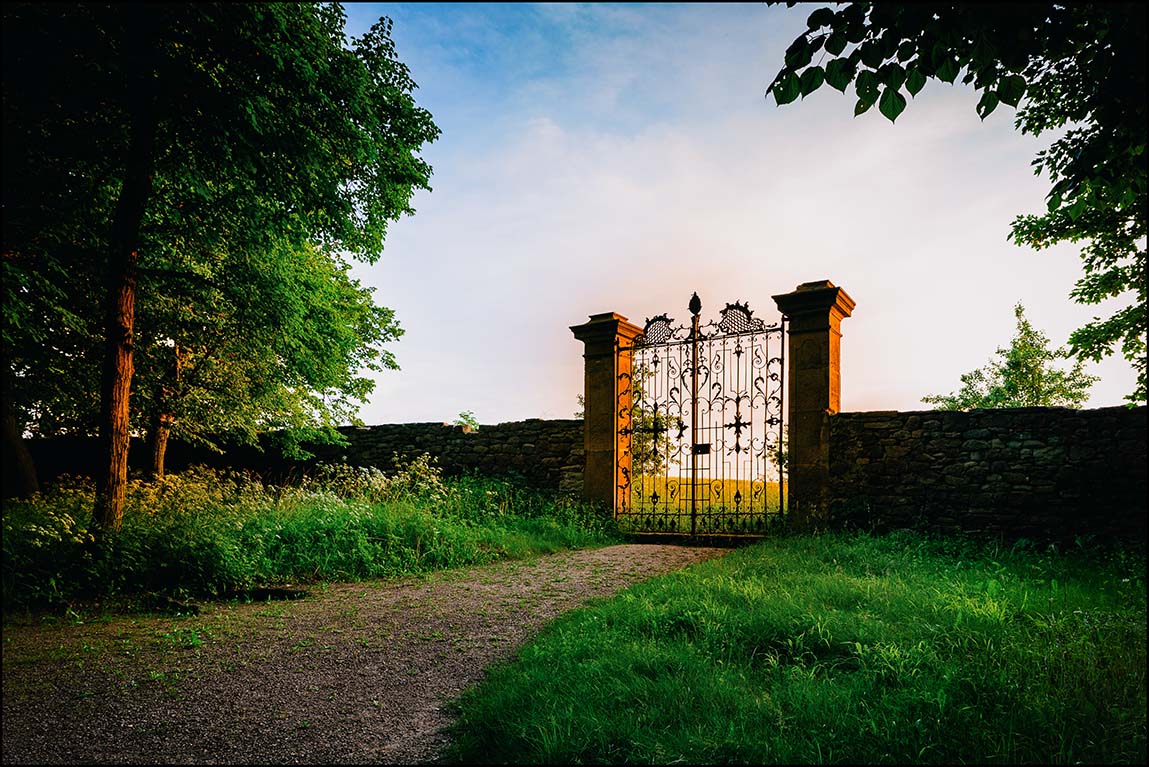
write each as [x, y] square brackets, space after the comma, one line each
[355, 673]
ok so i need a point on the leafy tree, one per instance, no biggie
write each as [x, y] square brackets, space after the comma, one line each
[1078, 68]
[138, 137]
[284, 354]
[650, 425]
[1022, 376]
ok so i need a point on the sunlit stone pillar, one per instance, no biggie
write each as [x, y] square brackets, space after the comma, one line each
[814, 311]
[606, 393]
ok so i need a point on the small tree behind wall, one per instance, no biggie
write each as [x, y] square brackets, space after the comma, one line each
[1023, 375]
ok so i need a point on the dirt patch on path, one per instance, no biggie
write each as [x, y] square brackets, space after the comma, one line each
[355, 673]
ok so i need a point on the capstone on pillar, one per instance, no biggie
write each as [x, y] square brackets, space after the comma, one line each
[606, 393]
[814, 311]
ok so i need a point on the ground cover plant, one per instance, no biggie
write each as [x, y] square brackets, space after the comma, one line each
[837, 648]
[208, 533]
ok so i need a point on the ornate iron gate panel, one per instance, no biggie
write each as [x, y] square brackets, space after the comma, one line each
[701, 443]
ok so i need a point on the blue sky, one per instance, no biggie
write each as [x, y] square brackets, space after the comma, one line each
[618, 157]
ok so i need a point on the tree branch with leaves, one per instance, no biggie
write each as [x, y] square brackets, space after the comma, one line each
[1079, 68]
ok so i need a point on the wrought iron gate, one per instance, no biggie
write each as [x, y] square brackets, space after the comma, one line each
[701, 444]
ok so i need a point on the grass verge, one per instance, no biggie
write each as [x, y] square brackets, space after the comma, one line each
[205, 533]
[836, 648]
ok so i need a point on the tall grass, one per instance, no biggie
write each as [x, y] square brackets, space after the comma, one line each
[204, 533]
[839, 648]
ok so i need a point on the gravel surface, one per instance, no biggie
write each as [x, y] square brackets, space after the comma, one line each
[353, 673]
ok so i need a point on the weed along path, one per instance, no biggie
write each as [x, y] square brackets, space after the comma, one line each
[352, 673]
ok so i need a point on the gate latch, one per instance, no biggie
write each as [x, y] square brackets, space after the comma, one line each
[701, 448]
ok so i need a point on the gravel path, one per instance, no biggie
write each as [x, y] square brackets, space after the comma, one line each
[354, 673]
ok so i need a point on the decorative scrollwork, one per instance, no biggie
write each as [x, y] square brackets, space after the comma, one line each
[737, 318]
[658, 330]
[704, 426]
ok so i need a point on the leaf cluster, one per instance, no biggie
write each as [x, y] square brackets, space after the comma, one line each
[281, 149]
[1075, 67]
[885, 49]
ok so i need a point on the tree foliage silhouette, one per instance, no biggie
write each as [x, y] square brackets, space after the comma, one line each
[1075, 68]
[208, 143]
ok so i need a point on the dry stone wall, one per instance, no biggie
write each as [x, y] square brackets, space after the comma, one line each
[1043, 473]
[545, 454]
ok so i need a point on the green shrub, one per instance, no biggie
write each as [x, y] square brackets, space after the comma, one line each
[205, 533]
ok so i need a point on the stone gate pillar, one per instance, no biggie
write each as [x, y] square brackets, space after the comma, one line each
[605, 387]
[815, 311]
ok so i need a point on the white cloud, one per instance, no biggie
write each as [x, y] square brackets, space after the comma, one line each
[572, 213]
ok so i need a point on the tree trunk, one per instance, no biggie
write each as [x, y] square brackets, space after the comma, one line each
[158, 442]
[115, 434]
[168, 394]
[14, 446]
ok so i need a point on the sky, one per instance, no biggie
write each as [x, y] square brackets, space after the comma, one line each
[617, 158]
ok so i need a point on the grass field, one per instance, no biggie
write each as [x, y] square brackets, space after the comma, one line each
[662, 504]
[837, 648]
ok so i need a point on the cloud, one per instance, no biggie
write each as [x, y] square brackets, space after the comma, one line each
[649, 166]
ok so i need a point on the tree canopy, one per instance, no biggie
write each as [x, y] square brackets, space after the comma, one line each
[282, 348]
[1075, 69]
[182, 185]
[1023, 375]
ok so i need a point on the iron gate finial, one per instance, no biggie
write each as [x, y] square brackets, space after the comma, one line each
[695, 304]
